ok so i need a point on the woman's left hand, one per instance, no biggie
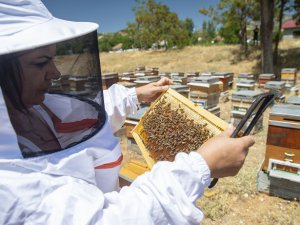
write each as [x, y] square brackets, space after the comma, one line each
[150, 92]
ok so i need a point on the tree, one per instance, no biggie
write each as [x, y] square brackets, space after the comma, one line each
[233, 16]
[188, 25]
[155, 23]
[266, 28]
[281, 4]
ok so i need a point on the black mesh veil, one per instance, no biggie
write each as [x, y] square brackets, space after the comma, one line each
[78, 62]
[59, 95]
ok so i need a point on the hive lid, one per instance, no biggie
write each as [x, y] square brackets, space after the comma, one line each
[241, 81]
[267, 76]
[245, 75]
[222, 73]
[275, 84]
[285, 110]
[288, 70]
[205, 79]
[194, 113]
[293, 100]
[179, 87]
[245, 95]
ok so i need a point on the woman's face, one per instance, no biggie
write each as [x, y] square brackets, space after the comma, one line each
[38, 70]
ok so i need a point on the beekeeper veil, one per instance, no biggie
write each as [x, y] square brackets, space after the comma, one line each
[49, 78]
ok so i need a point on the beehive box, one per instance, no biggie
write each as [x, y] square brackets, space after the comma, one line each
[246, 76]
[263, 78]
[225, 78]
[109, 79]
[205, 88]
[288, 74]
[211, 99]
[278, 86]
[172, 124]
[283, 141]
[242, 84]
[182, 89]
[179, 80]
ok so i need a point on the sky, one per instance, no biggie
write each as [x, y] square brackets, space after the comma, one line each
[113, 15]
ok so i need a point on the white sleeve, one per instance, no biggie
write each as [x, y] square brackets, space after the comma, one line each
[119, 101]
[166, 195]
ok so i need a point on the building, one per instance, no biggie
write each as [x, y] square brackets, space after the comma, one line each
[291, 29]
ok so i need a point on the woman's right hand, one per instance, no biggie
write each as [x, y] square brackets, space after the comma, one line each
[224, 155]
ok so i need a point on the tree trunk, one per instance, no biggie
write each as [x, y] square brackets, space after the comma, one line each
[277, 37]
[266, 35]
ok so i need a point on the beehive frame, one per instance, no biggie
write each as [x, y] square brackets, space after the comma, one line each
[200, 115]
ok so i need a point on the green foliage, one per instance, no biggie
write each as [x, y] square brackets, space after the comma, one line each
[232, 17]
[208, 32]
[154, 24]
[230, 33]
[107, 41]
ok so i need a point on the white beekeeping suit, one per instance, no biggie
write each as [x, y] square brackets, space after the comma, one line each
[59, 160]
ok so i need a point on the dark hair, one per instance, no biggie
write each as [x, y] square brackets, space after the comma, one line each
[11, 80]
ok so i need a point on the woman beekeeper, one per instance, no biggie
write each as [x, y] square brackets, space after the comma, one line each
[59, 160]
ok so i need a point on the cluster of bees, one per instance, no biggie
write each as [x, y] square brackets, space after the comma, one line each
[169, 131]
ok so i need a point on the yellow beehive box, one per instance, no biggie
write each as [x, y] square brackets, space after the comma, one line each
[172, 124]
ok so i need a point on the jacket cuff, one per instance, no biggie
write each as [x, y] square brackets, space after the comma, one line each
[132, 95]
[200, 166]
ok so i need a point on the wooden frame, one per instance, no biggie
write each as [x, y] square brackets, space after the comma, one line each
[215, 124]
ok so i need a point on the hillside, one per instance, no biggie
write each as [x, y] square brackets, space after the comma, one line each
[198, 59]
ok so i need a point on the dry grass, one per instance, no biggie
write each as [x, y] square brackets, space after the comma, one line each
[190, 59]
[234, 200]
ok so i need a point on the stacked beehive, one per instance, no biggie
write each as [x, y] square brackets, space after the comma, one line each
[140, 81]
[191, 75]
[282, 158]
[245, 81]
[226, 78]
[128, 76]
[283, 136]
[264, 78]
[278, 87]
[182, 89]
[109, 79]
[153, 70]
[77, 84]
[246, 76]
[165, 74]
[241, 102]
[205, 91]
[289, 76]
[242, 84]
[178, 78]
